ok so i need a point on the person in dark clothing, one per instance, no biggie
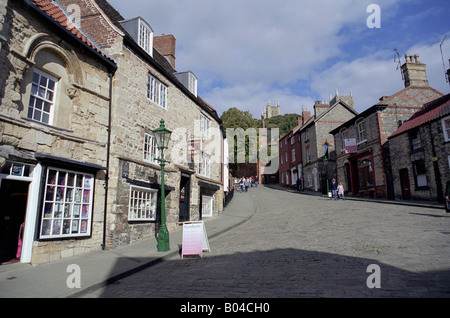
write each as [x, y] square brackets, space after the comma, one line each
[334, 186]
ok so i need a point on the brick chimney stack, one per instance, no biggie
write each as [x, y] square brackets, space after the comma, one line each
[165, 44]
[414, 72]
[306, 115]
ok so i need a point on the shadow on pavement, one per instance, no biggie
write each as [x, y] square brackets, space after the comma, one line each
[280, 273]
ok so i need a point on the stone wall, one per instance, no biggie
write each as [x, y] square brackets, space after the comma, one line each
[79, 131]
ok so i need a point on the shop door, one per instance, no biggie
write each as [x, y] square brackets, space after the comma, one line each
[185, 190]
[13, 203]
[404, 184]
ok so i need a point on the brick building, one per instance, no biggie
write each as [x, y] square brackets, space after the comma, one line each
[54, 105]
[319, 165]
[421, 161]
[290, 157]
[146, 89]
[362, 154]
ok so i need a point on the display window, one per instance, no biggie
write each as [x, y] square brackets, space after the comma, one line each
[67, 204]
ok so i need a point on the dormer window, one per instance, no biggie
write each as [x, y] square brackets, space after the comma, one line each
[145, 37]
[141, 32]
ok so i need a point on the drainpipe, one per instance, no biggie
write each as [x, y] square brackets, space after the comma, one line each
[373, 174]
[107, 162]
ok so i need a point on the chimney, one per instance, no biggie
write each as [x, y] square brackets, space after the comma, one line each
[165, 44]
[306, 115]
[320, 106]
[414, 72]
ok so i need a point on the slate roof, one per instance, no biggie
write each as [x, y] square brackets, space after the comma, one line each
[433, 110]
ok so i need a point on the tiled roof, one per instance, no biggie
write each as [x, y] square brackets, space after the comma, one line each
[435, 109]
[58, 15]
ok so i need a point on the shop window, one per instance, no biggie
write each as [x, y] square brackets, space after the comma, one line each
[142, 204]
[207, 206]
[204, 165]
[420, 174]
[365, 172]
[67, 206]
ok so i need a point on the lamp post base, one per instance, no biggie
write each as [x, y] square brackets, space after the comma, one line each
[163, 240]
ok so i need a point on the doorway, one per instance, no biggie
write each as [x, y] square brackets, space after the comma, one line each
[13, 201]
[184, 206]
[404, 184]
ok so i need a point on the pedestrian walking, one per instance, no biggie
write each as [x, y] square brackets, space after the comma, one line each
[334, 186]
[246, 184]
[299, 184]
[241, 184]
[447, 197]
[340, 190]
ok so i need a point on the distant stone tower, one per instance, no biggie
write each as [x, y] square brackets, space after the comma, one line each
[271, 111]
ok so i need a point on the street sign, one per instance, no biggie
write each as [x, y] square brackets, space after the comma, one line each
[195, 239]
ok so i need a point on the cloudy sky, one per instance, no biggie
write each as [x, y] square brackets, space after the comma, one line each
[246, 53]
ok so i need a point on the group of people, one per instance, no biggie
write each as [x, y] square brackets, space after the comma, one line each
[337, 190]
[245, 183]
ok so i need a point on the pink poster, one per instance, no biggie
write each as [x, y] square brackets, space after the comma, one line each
[192, 239]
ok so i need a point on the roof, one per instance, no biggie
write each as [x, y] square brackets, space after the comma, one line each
[158, 60]
[59, 17]
[433, 110]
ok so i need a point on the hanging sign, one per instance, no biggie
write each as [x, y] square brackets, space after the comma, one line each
[350, 145]
[195, 239]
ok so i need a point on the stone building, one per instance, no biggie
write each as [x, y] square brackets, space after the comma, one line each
[146, 89]
[317, 144]
[362, 155]
[54, 105]
[420, 163]
[271, 111]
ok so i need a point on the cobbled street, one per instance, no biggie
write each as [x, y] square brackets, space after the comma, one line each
[298, 245]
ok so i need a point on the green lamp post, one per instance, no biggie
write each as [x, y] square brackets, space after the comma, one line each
[162, 137]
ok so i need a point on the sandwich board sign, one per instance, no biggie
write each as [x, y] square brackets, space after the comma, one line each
[195, 239]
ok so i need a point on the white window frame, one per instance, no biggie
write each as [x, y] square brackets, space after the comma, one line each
[281, 158]
[308, 155]
[156, 91]
[150, 150]
[145, 37]
[204, 167]
[421, 179]
[67, 204]
[446, 128]
[142, 204]
[282, 178]
[362, 131]
[342, 133]
[207, 205]
[293, 155]
[41, 93]
[205, 126]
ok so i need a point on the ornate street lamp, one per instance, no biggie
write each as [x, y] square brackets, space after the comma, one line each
[162, 138]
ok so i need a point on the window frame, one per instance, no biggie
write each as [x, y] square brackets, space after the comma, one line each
[415, 140]
[35, 96]
[156, 91]
[445, 128]
[362, 133]
[204, 166]
[418, 178]
[82, 216]
[150, 195]
[150, 151]
[210, 202]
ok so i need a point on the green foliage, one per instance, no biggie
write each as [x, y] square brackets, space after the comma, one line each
[285, 123]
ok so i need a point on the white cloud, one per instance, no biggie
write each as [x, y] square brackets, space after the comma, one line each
[245, 52]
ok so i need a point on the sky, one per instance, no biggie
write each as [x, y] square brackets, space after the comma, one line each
[248, 53]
